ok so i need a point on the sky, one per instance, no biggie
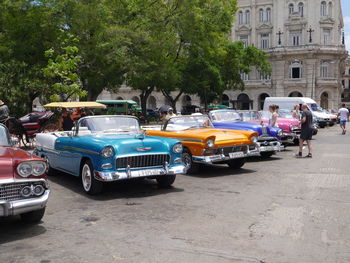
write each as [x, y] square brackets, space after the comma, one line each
[346, 14]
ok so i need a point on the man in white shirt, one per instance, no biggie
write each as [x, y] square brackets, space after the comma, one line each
[344, 117]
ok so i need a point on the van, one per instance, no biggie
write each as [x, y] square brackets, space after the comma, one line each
[287, 103]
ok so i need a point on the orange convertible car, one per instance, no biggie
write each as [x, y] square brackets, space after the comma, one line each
[203, 144]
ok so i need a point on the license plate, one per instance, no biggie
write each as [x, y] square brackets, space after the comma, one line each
[148, 172]
[267, 149]
[236, 155]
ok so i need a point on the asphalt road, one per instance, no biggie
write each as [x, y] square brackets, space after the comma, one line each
[279, 210]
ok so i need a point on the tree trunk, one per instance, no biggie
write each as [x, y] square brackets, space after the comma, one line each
[171, 99]
[144, 97]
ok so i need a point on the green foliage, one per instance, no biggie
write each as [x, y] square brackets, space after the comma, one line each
[60, 49]
[62, 69]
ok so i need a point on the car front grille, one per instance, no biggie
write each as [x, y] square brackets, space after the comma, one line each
[142, 161]
[238, 148]
[296, 130]
[11, 191]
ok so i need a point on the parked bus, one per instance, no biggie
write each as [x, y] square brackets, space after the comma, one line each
[125, 107]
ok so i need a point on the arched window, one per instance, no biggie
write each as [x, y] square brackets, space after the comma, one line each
[152, 102]
[186, 100]
[324, 100]
[268, 14]
[290, 9]
[295, 94]
[225, 100]
[136, 99]
[261, 100]
[323, 8]
[240, 17]
[247, 17]
[296, 70]
[330, 9]
[301, 9]
[243, 102]
[261, 15]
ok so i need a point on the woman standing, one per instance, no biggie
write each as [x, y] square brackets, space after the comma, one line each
[274, 115]
[296, 112]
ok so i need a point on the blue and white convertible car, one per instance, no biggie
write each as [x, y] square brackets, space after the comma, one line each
[109, 148]
[268, 140]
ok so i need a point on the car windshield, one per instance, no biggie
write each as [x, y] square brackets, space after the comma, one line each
[188, 122]
[249, 115]
[265, 115]
[109, 124]
[285, 114]
[313, 106]
[223, 116]
[4, 139]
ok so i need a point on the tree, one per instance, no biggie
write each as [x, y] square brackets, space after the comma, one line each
[27, 29]
[62, 69]
[101, 46]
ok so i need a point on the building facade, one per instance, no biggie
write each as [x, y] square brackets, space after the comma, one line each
[304, 41]
[305, 45]
[346, 83]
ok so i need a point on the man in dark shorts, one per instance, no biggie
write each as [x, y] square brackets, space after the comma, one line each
[306, 131]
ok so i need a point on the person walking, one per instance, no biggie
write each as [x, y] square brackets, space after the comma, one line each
[343, 113]
[306, 131]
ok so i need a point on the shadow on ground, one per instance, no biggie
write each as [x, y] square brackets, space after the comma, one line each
[208, 171]
[12, 229]
[131, 188]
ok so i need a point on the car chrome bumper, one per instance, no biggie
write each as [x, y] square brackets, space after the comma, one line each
[288, 138]
[272, 147]
[17, 207]
[133, 173]
[219, 158]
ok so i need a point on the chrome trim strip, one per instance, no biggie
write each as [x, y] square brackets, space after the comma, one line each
[190, 140]
[24, 180]
[79, 150]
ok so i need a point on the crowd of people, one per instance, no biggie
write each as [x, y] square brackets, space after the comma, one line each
[304, 116]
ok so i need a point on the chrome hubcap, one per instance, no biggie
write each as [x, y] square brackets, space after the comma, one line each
[86, 177]
[187, 160]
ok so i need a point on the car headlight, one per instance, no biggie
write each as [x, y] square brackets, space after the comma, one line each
[107, 151]
[254, 139]
[178, 148]
[38, 168]
[210, 143]
[24, 169]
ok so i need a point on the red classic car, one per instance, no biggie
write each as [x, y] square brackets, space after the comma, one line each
[24, 189]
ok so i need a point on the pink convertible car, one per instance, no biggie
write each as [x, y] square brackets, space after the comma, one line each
[291, 127]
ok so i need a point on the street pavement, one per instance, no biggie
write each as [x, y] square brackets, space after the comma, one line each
[278, 210]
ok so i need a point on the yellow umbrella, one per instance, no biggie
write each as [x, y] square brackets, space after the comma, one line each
[76, 104]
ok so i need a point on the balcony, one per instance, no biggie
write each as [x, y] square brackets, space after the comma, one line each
[327, 81]
[336, 49]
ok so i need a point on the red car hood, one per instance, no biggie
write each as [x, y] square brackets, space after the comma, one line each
[9, 158]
